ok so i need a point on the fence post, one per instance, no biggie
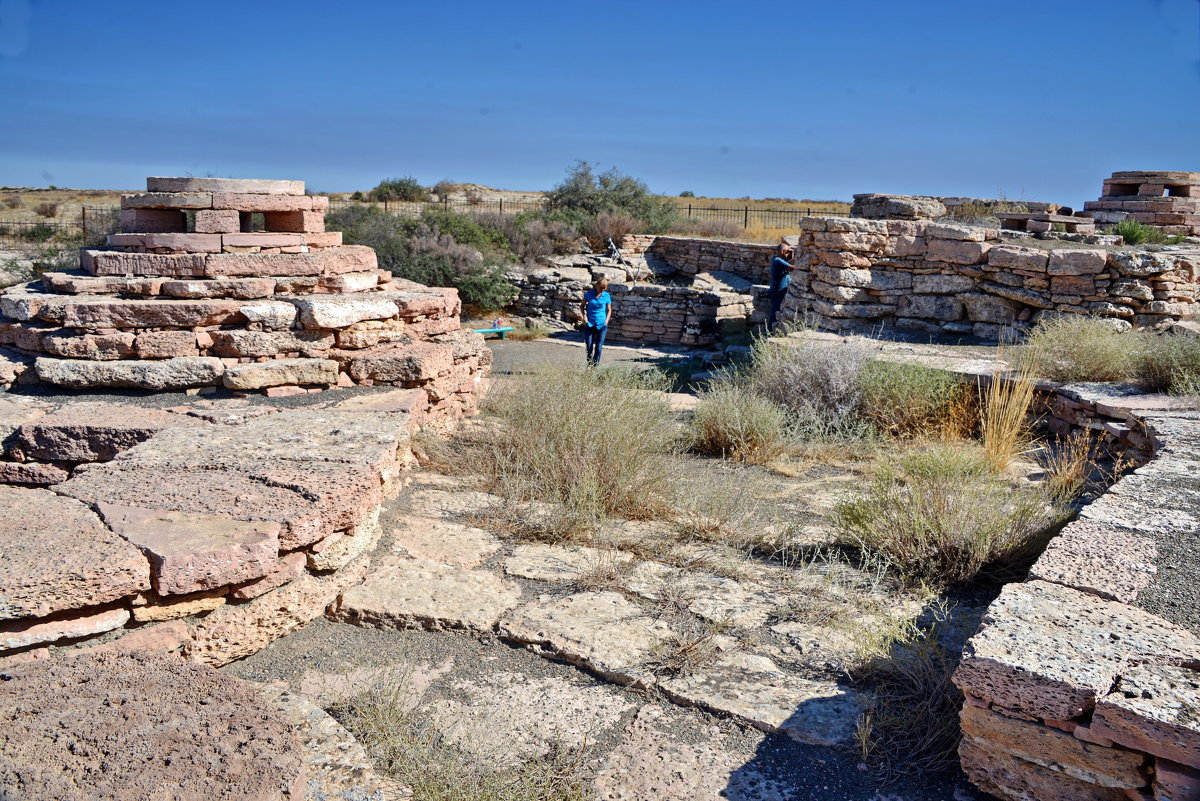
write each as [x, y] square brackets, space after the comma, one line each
[501, 205]
[689, 211]
[746, 218]
[83, 220]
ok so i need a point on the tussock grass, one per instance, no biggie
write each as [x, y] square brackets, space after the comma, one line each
[911, 400]
[1136, 233]
[1075, 347]
[1069, 463]
[526, 333]
[414, 752]
[734, 422]
[691, 644]
[1004, 416]
[941, 515]
[1170, 363]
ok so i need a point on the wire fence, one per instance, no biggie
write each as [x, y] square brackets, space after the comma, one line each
[90, 223]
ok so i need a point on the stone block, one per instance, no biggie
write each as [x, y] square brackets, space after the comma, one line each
[290, 566]
[962, 233]
[32, 473]
[214, 221]
[269, 314]
[108, 262]
[984, 308]
[1072, 285]
[1153, 708]
[942, 284]
[165, 344]
[80, 312]
[58, 556]
[99, 347]
[1047, 651]
[956, 251]
[243, 288]
[268, 343]
[328, 239]
[265, 203]
[420, 361]
[340, 311]
[23, 633]
[187, 243]
[1053, 749]
[346, 259]
[1017, 258]
[1141, 264]
[191, 552]
[241, 186]
[152, 221]
[295, 221]
[167, 200]
[1013, 779]
[264, 239]
[930, 307]
[349, 282]
[179, 373]
[280, 372]
[1175, 782]
[93, 432]
[1076, 262]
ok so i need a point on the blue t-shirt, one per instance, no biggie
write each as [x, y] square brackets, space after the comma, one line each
[597, 314]
[781, 274]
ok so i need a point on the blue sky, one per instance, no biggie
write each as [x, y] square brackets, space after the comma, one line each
[1035, 100]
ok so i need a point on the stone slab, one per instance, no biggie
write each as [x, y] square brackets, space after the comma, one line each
[1111, 562]
[35, 631]
[82, 312]
[242, 186]
[94, 432]
[442, 541]
[282, 372]
[1013, 779]
[59, 556]
[264, 203]
[167, 200]
[345, 259]
[268, 343]
[178, 373]
[1155, 709]
[419, 361]
[337, 311]
[243, 288]
[192, 552]
[112, 262]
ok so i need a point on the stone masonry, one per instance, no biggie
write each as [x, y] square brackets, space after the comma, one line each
[189, 296]
[1167, 200]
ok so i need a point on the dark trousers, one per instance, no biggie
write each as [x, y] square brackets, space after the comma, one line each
[777, 297]
[593, 338]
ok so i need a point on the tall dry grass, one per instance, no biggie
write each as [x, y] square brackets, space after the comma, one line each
[1004, 414]
[734, 422]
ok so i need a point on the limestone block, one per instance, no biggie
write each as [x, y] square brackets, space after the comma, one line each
[84, 312]
[1013, 779]
[111, 262]
[1153, 709]
[962, 233]
[59, 556]
[1076, 262]
[1072, 285]
[167, 200]
[1018, 258]
[276, 315]
[23, 633]
[942, 284]
[1049, 652]
[345, 259]
[1027, 297]
[211, 221]
[1053, 749]
[328, 239]
[152, 221]
[94, 432]
[241, 186]
[420, 361]
[983, 308]
[178, 373]
[244, 288]
[99, 347]
[295, 221]
[165, 344]
[956, 251]
[265, 203]
[931, 307]
[268, 343]
[1140, 264]
[842, 259]
[281, 372]
[349, 282]
[191, 552]
[341, 311]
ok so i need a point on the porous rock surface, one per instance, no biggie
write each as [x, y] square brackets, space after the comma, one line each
[140, 726]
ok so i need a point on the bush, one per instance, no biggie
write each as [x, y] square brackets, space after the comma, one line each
[47, 210]
[488, 288]
[12, 202]
[584, 194]
[1076, 347]
[911, 400]
[591, 440]
[943, 516]
[687, 193]
[406, 188]
[466, 229]
[444, 188]
[1136, 233]
[734, 422]
[1169, 363]
[608, 225]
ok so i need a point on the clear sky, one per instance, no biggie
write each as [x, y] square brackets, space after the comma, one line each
[1036, 100]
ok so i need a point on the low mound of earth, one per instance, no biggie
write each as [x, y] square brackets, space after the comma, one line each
[141, 726]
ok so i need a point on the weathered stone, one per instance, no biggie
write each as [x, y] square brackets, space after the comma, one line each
[265, 203]
[268, 343]
[244, 288]
[1077, 262]
[165, 637]
[94, 432]
[942, 284]
[109, 262]
[165, 344]
[1104, 560]
[1007, 777]
[983, 308]
[956, 251]
[151, 727]
[180, 606]
[347, 546]
[417, 593]
[562, 562]
[210, 221]
[1053, 749]
[420, 361]
[346, 259]
[96, 347]
[297, 221]
[1017, 258]
[1175, 782]
[280, 372]
[1048, 651]
[934, 307]
[33, 631]
[191, 552]
[32, 473]
[241, 186]
[349, 282]
[187, 243]
[270, 314]
[59, 556]
[149, 313]
[445, 542]
[290, 566]
[1155, 709]
[179, 373]
[152, 220]
[1140, 264]
[325, 311]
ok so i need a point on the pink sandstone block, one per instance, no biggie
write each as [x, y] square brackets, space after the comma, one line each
[349, 282]
[263, 239]
[290, 567]
[25, 632]
[957, 251]
[330, 239]
[107, 262]
[1077, 262]
[1017, 258]
[167, 200]
[1175, 782]
[1153, 709]
[165, 637]
[297, 221]
[152, 221]
[256, 186]
[193, 552]
[242, 288]
[264, 203]
[285, 391]
[165, 344]
[1098, 558]
[118, 313]
[213, 221]
[347, 259]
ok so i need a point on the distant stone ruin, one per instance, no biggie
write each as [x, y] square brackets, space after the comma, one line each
[190, 296]
[1169, 201]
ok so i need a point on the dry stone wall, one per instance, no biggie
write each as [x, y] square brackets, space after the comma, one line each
[1169, 201]
[173, 304]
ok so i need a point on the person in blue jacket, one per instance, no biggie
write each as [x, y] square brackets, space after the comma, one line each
[781, 279]
[597, 310]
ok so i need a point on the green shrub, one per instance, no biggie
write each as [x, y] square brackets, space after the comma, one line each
[1136, 233]
[467, 229]
[1076, 347]
[584, 194]
[943, 515]
[488, 288]
[609, 225]
[735, 422]
[407, 188]
[687, 193]
[911, 400]
[1170, 363]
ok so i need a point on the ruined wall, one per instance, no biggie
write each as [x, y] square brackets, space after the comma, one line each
[967, 279]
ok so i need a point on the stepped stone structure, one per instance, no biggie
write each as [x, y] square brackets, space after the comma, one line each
[1167, 200]
[189, 295]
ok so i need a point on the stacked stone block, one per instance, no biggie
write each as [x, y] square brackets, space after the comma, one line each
[188, 296]
[1167, 200]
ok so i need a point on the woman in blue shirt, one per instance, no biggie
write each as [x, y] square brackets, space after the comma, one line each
[597, 310]
[781, 278]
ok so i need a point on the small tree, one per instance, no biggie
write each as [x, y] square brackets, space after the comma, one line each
[584, 194]
[687, 193]
[406, 188]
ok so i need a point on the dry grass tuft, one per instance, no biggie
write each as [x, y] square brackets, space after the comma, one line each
[909, 401]
[1069, 463]
[734, 422]
[1004, 416]
[691, 645]
[1076, 347]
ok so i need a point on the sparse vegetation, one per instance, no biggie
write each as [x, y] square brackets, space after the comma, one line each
[1004, 416]
[911, 400]
[732, 421]
[47, 210]
[1136, 233]
[12, 202]
[1077, 347]
[1169, 363]
[585, 194]
[405, 189]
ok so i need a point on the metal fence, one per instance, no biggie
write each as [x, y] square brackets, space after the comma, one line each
[92, 221]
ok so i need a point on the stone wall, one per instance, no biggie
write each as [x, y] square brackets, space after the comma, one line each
[1074, 690]
[208, 530]
[855, 274]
